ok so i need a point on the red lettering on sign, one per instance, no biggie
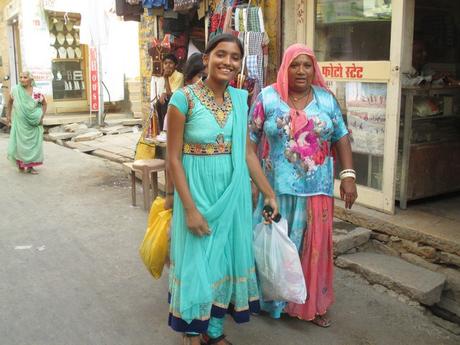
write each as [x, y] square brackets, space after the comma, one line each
[94, 79]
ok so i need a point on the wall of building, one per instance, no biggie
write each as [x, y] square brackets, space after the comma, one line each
[289, 25]
[4, 60]
[273, 21]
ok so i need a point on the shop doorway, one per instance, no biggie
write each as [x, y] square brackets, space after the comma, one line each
[429, 146]
[359, 50]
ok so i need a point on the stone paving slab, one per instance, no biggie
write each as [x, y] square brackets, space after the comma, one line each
[355, 238]
[396, 274]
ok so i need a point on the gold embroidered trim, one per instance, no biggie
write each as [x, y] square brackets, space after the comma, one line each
[206, 96]
[207, 149]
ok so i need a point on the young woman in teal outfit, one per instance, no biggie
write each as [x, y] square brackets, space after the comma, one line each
[212, 264]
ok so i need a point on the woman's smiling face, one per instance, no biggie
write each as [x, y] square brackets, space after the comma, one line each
[223, 62]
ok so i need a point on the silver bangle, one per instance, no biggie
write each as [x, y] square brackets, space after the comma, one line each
[347, 174]
[347, 171]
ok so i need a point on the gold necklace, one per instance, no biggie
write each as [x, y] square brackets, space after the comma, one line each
[296, 99]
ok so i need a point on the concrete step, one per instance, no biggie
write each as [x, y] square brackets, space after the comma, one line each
[343, 242]
[396, 274]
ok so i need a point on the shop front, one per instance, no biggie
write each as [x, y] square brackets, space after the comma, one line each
[364, 50]
[46, 43]
[46, 38]
[163, 30]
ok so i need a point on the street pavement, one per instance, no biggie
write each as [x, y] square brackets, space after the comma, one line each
[70, 272]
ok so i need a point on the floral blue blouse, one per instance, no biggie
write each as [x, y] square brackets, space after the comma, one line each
[299, 165]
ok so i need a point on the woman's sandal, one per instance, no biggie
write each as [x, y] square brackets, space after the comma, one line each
[32, 171]
[212, 341]
[321, 321]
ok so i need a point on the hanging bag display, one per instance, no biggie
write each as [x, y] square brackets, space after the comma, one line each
[278, 264]
[145, 149]
[155, 246]
[185, 5]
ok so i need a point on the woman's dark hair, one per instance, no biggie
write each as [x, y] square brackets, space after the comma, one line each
[171, 57]
[193, 66]
[212, 44]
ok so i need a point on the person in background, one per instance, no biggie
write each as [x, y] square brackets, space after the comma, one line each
[297, 122]
[194, 69]
[212, 268]
[26, 108]
[162, 88]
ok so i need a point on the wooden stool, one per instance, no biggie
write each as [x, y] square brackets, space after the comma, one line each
[149, 169]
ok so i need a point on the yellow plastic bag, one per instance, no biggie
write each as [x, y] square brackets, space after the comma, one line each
[155, 246]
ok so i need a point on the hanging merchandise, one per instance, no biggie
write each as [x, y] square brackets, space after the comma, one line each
[174, 23]
[157, 51]
[186, 5]
[145, 149]
[128, 11]
[150, 4]
[179, 47]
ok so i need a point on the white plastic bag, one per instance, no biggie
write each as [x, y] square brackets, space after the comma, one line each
[278, 264]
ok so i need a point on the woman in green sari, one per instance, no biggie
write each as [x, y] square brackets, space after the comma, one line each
[212, 270]
[26, 108]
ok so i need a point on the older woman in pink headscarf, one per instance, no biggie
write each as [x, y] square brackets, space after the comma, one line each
[295, 124]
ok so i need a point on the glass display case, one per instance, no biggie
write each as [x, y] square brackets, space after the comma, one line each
[429, 149]
[68, 58]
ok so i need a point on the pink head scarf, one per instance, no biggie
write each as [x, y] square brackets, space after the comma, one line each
[291, 53]
[298, 118]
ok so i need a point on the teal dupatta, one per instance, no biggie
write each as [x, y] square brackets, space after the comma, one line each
[193, 297]
[26, 135]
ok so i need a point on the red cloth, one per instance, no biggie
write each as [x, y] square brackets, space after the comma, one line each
[23, 165]
[316, 260]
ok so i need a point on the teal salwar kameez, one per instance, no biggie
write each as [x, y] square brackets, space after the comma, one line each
[213, 275]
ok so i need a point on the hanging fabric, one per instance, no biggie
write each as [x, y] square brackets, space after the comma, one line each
[186, 5]
[157, 51]
[154, 4]
[174, 24]
[122, 9]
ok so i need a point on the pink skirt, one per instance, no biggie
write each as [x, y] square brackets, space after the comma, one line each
[316, 259]
[23, 165]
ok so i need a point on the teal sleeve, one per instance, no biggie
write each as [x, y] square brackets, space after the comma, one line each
[340, 129]
[179, 100]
